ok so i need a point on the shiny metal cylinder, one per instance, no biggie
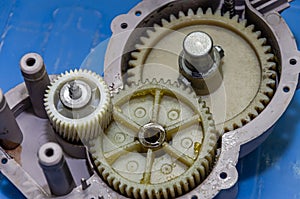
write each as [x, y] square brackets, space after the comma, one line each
[10, 133]
[198, 51]
[36, 80]
[55, 168]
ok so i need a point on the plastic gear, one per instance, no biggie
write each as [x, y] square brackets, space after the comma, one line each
[84, 117]
[248, 67]
[160, 144]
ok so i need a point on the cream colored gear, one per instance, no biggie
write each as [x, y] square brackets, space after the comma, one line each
[79, 123]
[176, 164]
[248, 67]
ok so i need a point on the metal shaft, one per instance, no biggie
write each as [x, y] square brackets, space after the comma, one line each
[36, 80]
[198, 51]
[10, 133]
[55, 168]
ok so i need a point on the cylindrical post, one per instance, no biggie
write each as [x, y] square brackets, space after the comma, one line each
[36, 80]
[10, 133]
[55, 168]
[200, 62]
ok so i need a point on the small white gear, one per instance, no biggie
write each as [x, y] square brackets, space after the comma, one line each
[78, 105]
[161, 142]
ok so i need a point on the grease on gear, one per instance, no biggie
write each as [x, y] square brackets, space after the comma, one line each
[78, 105]
[161, 142]
[248, 67]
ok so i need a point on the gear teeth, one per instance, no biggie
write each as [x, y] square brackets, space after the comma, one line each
[139, 46]
[200, 11]
[250, 28]
[144, 40]
[164, 22]
[258, 34]
[265, 53]
[218, 12]
[270, 56]
[202, 166]
[190, 12]
[244, 22]
[227, 15]
[150, 33]
[181, 14]
[172, 17]
[75, 129]
[209, 11]
[262, 41]
[267, 49]
[235, 18]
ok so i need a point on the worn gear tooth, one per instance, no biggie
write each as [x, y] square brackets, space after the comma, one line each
[235, 18]
[190, 12]
[258, 34]
[227, 15]
[150, 33]
[144, 40]
[218, 12]
[181, 14]
[262, 41]
[164, 22]
[156, 27]
[209, 11]
[133, 63]
[172, 17]
[267, 49]
[200, 11]
[250, 28]
[139, 47]
[135, 55]
[270, 56]
[243, 22]
[272, 66]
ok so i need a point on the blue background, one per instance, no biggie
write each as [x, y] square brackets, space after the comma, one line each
[64, 32]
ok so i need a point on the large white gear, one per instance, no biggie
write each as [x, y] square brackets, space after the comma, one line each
[84, 117]
[161, 142]
[248, 68]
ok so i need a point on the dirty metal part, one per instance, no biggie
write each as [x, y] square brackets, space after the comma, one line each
[78, 105]
[55, 169]
[11, 135]
[160, 144]
[36, 80]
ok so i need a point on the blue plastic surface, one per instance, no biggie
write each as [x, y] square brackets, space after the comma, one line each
[64, 32]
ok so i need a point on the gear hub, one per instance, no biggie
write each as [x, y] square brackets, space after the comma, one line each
[78, 105]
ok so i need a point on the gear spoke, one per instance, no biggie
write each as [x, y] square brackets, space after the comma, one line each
[149, 163]
[113, 155]
[183, 158]
[170, 130]
[156, 105]
[123, 119]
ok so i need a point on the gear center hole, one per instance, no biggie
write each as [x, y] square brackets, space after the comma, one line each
[152, 135]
